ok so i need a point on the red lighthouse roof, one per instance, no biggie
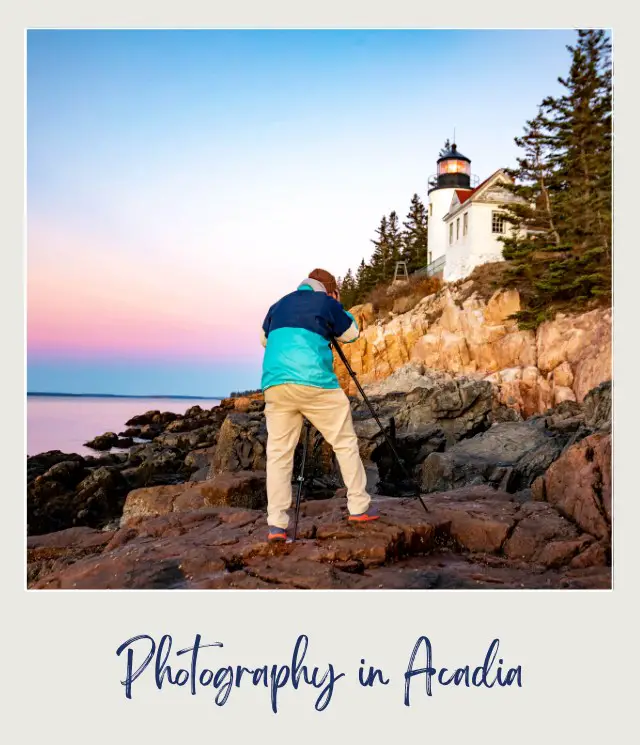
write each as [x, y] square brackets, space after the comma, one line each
[464, 194]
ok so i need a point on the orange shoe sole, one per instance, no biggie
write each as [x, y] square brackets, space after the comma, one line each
[363, 518]
[277, 537]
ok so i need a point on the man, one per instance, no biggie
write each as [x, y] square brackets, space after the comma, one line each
[298, 381]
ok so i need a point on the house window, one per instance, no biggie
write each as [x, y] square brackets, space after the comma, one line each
[431, 209]
[465, 223]
[450, 233]
[457, 228]
[497, 222]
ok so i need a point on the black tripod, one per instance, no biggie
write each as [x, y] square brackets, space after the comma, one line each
[389, 440]
[300, 478]
[305, 447]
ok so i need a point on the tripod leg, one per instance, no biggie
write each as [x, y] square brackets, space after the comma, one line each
[390, 440]
[305, 447]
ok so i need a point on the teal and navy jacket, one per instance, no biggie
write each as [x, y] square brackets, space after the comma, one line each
[296, 335]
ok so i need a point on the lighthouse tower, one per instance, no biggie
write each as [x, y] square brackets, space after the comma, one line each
[453, 173]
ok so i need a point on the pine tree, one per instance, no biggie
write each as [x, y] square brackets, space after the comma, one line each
[579, 125]
[561, 242]
[395, 243]
[415, 236]
[365, 281]
[533, 231]
[381, 258]
[348, 290]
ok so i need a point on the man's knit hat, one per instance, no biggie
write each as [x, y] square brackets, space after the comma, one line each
[328, 280]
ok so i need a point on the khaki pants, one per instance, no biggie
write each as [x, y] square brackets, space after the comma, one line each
[330, 413]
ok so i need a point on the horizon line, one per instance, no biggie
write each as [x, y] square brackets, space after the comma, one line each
[122, 395]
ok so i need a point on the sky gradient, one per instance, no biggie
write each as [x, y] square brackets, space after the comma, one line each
[180, 182]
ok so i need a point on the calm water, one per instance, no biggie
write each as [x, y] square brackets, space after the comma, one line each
[60, 423]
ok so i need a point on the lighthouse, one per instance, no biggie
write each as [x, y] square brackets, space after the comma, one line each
[467, 220]
[453, 174]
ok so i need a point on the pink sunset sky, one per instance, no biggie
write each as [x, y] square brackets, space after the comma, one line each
[180, 182]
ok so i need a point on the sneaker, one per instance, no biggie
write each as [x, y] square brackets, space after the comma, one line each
[365, 517]
[276, 534]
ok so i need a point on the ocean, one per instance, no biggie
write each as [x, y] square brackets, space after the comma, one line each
[66, 422]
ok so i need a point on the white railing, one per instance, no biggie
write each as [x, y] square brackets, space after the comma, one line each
[433, 268]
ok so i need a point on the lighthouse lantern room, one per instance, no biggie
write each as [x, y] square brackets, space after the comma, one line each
[454, 170]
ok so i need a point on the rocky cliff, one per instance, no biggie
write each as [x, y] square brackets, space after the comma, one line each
[459, 332]
[510, 503]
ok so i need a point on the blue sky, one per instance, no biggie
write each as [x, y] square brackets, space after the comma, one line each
[179, 182]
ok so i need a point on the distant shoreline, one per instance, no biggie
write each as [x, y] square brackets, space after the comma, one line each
[122, 395]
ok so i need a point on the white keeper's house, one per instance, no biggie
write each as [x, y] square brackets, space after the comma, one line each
[466, 218]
